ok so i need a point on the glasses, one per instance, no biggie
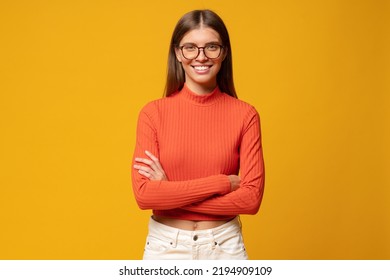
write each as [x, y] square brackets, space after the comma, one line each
[191, 51]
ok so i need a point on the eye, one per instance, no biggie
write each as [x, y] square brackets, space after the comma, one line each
[190, 48]
[212, 47]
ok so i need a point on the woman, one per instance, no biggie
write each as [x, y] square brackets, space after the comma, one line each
[190, 147]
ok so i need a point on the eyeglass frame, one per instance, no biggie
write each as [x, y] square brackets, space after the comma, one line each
[202, 48]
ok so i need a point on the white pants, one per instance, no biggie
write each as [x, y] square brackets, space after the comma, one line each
[220, 243]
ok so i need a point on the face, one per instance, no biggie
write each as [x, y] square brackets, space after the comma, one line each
[201, 72]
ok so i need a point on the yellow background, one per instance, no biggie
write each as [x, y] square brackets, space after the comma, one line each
[74, 74]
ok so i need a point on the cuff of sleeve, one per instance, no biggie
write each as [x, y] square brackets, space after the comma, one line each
[225, 184]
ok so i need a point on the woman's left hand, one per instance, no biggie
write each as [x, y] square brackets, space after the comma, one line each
[153, 169]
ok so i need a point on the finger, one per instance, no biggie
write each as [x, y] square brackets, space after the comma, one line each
[155, 160]
[153, 164]
[143, 168]
[146, 174]
[153, 157]
[144, 160]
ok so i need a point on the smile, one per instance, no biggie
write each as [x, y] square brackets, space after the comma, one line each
[202, 67]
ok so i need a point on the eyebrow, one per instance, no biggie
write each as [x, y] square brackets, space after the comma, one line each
[208, 43]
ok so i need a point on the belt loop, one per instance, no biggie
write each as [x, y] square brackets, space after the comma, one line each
[175, 237]
[214, 242]
[239, 221]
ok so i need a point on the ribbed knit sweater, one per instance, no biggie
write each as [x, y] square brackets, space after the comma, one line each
[199, 140]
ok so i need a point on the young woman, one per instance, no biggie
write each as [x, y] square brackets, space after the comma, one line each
[192, 144]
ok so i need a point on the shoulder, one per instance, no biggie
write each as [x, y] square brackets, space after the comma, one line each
[156, 105]
[242, 112]
[153, 110]
[240, 107]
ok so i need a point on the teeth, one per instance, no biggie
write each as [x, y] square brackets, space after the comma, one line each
[201, 68]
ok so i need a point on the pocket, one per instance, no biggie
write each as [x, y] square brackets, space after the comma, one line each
[155, 245]
[232, 245]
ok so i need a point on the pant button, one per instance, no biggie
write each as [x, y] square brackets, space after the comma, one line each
[195, 237]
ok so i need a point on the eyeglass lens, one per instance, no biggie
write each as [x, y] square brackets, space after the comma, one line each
[211, 51]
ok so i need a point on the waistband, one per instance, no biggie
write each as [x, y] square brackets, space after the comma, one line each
[174, 235]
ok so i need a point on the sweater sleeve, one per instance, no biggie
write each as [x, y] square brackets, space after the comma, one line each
[247, 198]
[164, 195]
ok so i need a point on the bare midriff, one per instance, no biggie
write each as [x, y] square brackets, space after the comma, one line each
[188, 225]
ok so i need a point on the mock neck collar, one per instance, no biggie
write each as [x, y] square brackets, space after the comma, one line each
[200, 99]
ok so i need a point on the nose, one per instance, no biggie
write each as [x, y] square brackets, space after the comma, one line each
[201, 56]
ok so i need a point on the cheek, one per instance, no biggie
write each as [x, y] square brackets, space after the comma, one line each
[185, 64]
[217, 66]
[187, 70]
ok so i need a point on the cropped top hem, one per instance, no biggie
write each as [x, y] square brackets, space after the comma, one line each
[191, 216]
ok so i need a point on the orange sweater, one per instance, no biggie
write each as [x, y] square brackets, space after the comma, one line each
[200, 139]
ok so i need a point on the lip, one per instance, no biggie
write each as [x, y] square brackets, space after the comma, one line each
[201, 69]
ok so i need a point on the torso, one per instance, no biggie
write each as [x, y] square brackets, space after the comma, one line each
[188, 225]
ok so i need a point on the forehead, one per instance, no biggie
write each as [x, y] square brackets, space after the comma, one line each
[201, 35]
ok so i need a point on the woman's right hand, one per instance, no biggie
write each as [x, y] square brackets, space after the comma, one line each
[234, 182]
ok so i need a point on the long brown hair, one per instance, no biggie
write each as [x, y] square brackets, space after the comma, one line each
[193, 20]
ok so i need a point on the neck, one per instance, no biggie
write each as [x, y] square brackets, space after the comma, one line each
[201, 89]
[200, 99]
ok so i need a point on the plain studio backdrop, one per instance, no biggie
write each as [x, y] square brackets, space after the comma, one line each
[74, 75]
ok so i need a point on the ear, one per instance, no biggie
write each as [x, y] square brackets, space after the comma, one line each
[224, 53]
[178, 55]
